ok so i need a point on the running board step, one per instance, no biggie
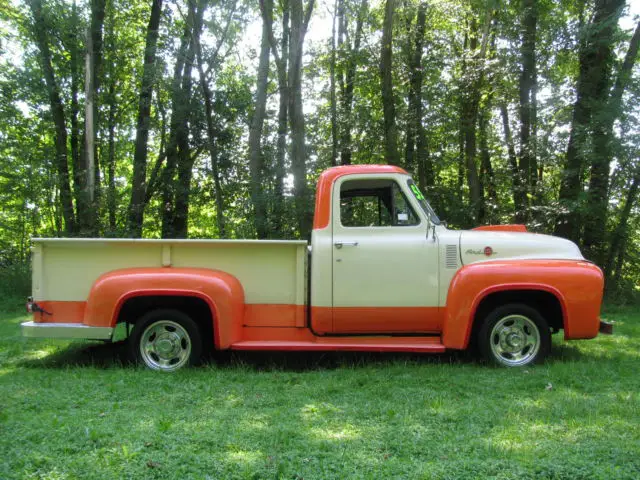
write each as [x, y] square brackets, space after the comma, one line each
[352, 344]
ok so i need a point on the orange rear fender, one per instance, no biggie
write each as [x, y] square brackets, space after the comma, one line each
[577, 285]
[222, 292]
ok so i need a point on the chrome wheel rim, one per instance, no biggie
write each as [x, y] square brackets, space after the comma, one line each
[165, 345]
[515, 340]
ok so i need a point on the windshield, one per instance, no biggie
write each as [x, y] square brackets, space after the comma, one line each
[423, 202]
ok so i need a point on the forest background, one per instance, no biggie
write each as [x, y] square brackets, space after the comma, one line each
[212, 119]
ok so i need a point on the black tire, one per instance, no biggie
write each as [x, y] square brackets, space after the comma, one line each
[165, 340]
[514, 335]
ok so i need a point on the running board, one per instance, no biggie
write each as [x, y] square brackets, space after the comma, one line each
[352, 344]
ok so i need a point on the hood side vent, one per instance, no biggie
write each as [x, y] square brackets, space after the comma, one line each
[451, 256]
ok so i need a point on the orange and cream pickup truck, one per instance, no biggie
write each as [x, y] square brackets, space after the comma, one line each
[382, 273]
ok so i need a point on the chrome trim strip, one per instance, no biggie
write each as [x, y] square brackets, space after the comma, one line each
[65, 330]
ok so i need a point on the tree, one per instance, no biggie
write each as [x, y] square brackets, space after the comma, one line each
[604, 119]
[391, 154]
[57, 112]
[176, 176]
[139, 185]
[416, 151]
[472, 81]
[281, 60]
[208, 103]
[299, 22]
[592, 89]
[256, 159]
[349, 53]
[527, 171]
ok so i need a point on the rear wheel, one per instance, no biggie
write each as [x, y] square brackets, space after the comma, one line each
[166, 340]
[514, 335]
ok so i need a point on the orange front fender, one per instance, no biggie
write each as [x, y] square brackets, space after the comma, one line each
[578, 286]
[221, 291]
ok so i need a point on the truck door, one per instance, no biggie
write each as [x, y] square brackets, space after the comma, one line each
[385, 261]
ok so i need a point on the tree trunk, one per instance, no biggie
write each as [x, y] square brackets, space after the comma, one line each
[256, 160]
[486, 169]
[519, 198]
[283, 119]
[96, 31]
[186, 159]
[619, 236]
[111, 159]
[527, 170]
[177, 135]
[332, 89]
[472, 80]
[416, 141]
[138, 186]
[78, 179]
[348, 81]
[299, 21]
[604, 119]
[391, 154]
[87, 219]
[592, 88]
[57, 112]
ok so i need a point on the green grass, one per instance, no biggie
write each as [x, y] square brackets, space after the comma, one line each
[79, 410]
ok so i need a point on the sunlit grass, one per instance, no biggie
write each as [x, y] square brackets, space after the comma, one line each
[72, 410]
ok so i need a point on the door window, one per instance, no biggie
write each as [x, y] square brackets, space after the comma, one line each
[375, 203]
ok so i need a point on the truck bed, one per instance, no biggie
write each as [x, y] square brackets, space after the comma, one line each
[272, 272]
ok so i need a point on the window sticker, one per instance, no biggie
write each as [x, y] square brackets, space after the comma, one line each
[416, 191]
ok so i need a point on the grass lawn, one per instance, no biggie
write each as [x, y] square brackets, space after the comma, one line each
[78, 410]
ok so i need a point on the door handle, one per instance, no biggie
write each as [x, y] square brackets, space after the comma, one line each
[345, 244]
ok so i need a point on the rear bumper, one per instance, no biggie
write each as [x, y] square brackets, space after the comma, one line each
[65, 330]
[606, 328]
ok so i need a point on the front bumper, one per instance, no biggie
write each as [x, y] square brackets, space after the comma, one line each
[606, 328]
[65, 330]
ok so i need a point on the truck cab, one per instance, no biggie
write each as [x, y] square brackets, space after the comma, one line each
[382, 273]
[375, 254]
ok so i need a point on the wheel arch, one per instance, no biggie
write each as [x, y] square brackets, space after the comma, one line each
[221, 292]
[546, 300]
[466, 310]
[198, 306]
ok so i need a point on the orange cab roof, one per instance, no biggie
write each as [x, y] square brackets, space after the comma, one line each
[323, 192]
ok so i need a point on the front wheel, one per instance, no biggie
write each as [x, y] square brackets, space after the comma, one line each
[166, 340]
[514, 335]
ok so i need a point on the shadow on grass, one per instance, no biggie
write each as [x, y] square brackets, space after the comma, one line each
[99, 355]
[113, 355]
[566, 352]
[110, 355]
[301, 361]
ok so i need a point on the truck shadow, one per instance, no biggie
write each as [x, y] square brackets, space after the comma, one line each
[99, 355]
[113, 355]
[301, 361]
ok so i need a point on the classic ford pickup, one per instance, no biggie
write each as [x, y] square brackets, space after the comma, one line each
[382, 273]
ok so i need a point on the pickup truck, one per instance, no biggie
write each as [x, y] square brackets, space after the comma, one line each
[382, 273]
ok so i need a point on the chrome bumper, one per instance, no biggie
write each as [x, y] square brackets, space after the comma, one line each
[65, 330]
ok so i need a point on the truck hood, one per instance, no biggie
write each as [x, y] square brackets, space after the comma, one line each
[481, 246]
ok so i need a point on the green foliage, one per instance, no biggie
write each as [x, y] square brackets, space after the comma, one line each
[452, 73]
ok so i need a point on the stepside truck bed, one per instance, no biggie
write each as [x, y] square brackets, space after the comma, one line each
[272, 275]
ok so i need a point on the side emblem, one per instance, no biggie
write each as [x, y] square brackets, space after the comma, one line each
[488, 251]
